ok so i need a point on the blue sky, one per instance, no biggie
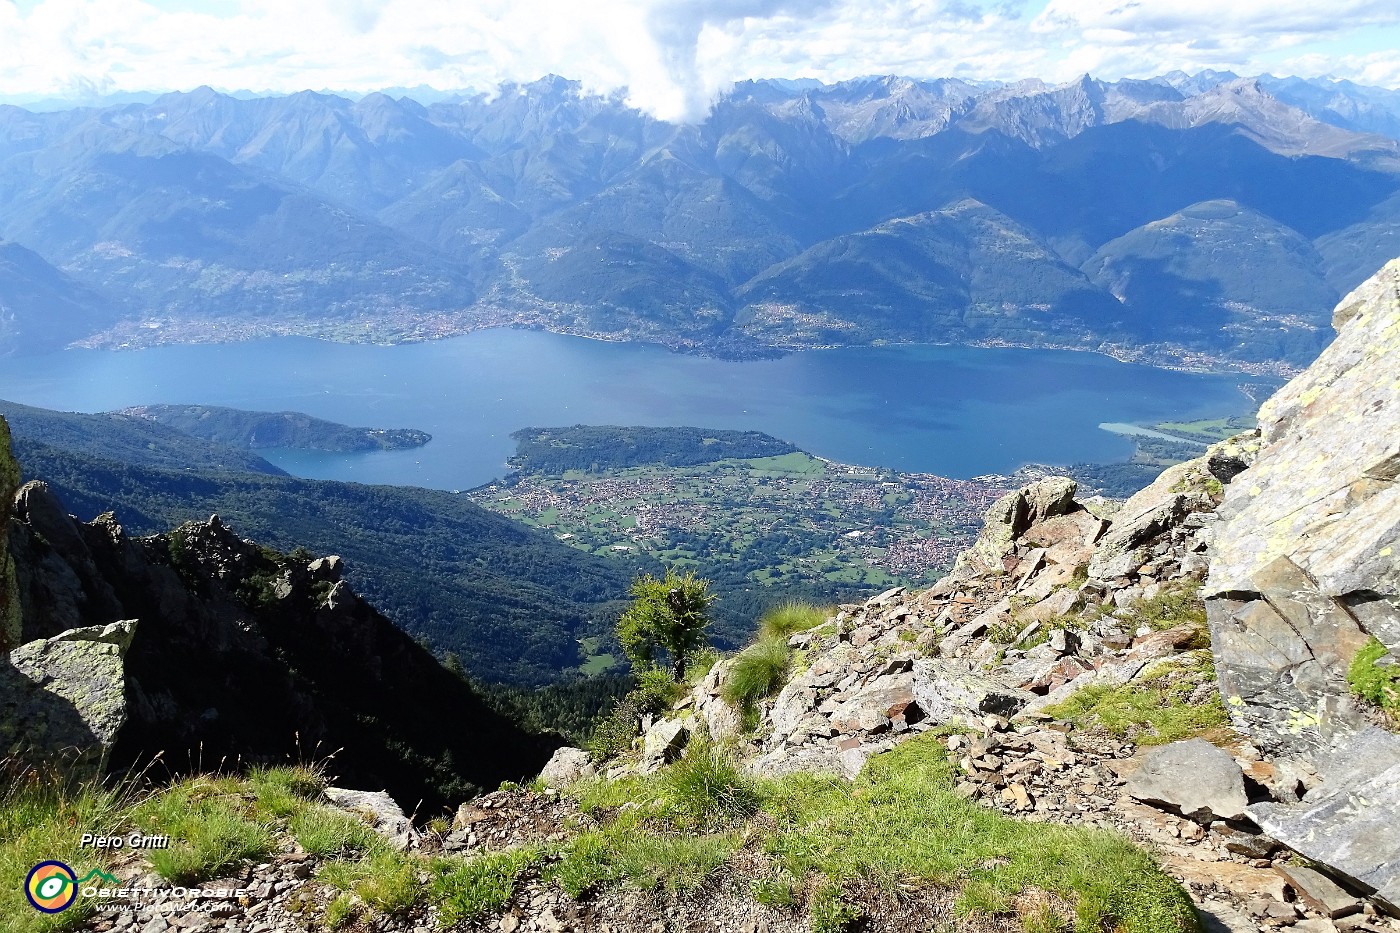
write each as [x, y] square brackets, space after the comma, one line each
[674, 56]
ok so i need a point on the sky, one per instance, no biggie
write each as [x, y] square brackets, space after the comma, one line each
[671, 58]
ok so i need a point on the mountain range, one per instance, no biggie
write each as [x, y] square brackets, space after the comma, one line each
[1206, 218]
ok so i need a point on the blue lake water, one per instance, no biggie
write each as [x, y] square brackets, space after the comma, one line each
[956, 411]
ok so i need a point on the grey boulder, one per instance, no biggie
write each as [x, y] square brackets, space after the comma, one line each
[1193, 778]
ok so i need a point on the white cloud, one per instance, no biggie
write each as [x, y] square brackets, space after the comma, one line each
[672, 56]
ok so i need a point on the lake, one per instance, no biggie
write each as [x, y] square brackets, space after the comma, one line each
[956, 411]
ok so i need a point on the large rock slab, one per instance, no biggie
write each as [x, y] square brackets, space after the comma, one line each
[1305, 562]
[1193, 778]
[949, 693]
[566, 766]
[1347, 822]
[63, 699]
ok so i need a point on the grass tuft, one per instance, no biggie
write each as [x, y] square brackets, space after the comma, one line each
[707, 789]
[467, 891]
[782, 622]
[758, 671]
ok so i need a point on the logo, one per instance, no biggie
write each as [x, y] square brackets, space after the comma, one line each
[51, 887]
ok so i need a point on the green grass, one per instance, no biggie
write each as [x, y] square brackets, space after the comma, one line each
[1155, 708]
[706, 788]
[1376, 684]
[212, 827]
[40, 820]
[324, 832]
[470, 890]
[385, 880]
[900, 821]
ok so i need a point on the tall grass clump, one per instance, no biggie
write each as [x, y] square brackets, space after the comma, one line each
[757, 672]
[42, 817]
[707, 789]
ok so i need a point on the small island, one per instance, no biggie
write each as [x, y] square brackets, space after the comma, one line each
[281, 429]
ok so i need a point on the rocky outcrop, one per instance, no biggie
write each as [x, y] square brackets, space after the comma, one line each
[1305, 566]
[63, 700]
[246, 653]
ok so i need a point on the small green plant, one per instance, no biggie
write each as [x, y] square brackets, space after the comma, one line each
[656, 692]
[211, 826]
[340, 911]
[757, 672]
[324, 832]
[707, 789]
[780, 891]
[385, 880]
[615, 732]
[1175, 604]
[829, 911]
[1373, 682]
[782, 622]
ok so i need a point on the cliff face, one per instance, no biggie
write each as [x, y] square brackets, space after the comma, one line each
[9, 595]
[1306, 564]
[243, 653]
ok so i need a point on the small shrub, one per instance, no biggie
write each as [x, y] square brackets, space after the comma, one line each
[758, 672]
[656, 692]
[782, 622]
[707, 788]
[614, 733]
[1372, 682]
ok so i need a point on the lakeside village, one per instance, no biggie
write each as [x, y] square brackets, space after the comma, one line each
[909, 525]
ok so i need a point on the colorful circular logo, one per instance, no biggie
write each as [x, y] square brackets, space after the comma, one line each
[51, 887]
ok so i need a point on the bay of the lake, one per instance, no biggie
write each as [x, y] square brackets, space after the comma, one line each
[955, 411]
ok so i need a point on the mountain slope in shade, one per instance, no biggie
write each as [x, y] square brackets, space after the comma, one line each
[1222, 278]
[1352, 254]
[42, 308]
[966, 272]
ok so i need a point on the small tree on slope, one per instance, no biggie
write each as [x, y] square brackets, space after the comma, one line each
[667, 616]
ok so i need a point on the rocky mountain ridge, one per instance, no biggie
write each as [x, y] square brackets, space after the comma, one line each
[228, 652]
